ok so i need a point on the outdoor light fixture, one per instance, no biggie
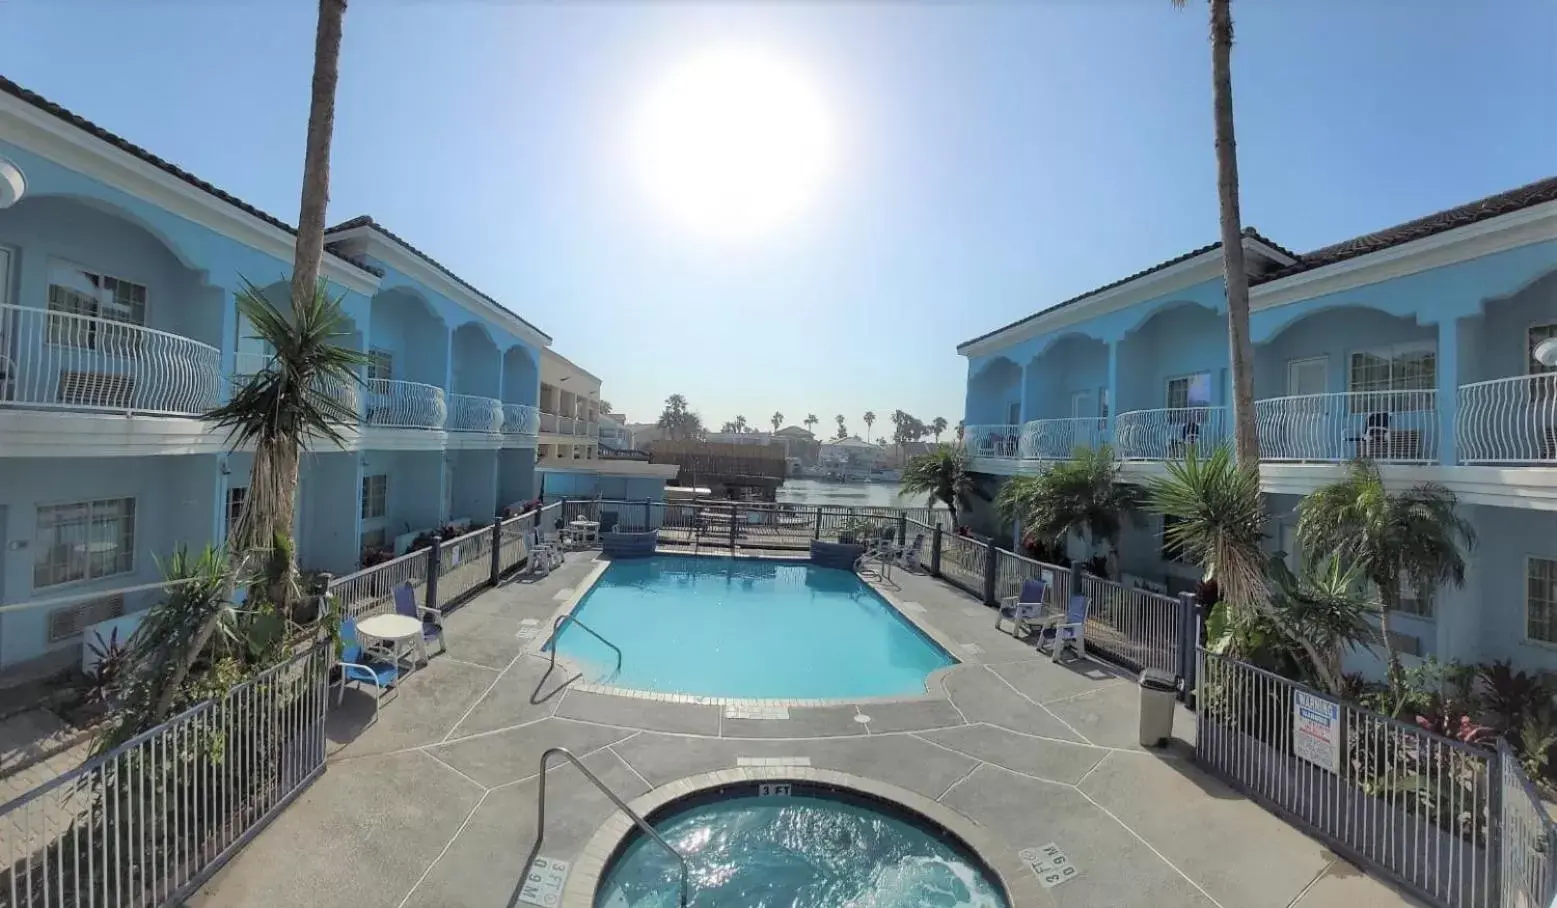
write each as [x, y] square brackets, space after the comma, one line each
[13, 185]
[1546, 352]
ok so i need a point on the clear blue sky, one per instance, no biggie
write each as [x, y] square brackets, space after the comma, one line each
[997, 157]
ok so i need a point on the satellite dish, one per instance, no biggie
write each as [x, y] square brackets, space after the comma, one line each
[1546, 352]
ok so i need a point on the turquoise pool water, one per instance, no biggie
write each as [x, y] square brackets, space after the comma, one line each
[733, 627]
[796, 852]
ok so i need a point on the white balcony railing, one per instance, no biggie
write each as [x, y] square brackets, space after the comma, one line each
[1509, 420]
[1057, 439]
[472, 413]
[520, 419]
[992, 441]
[549, 422]
[347, 393]
[405, 405]
[1168, 433]
[565, 425]
[56, 360]
[1393, 426]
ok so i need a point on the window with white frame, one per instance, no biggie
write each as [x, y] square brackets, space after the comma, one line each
[381, 365]
[1541, 599]
[235, 499]
[84, 541]
[1188, 392]
[1399, 378]
[91, 310]
[375, 497]
[1411, 603]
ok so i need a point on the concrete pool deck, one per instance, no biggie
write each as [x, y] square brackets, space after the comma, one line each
[434, 803]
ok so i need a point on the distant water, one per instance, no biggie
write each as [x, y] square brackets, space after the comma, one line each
[858, 494]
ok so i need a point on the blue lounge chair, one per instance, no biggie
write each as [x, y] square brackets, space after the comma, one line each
[360, 666]
[431, 618]
[1024, 609]
[1069, 633]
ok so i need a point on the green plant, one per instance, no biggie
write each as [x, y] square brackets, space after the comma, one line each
[944, 474]
[1511, 697]
[110, 659]
[1081, 497]
[1411, 537]
[1537, 737]
[1323, 606]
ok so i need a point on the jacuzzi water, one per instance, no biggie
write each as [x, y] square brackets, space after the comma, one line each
[732, 627]
[795, 852]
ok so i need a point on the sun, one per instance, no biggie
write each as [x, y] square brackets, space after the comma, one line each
[732, 143]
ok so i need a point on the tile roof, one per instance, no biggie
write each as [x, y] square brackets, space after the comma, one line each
[367, 221]
[1470, 213]
[125, 145]
[1247, 231]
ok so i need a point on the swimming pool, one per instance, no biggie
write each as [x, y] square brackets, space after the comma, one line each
[747, 628]
[804, 851]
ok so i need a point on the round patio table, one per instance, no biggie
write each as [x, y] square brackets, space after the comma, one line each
[397, 630]
[585, 529]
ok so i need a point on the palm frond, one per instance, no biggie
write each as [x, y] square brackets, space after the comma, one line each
[290, 397]
[1082, 496]
[1219, 520]
[942, 474]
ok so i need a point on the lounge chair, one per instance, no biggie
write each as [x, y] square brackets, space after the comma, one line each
[431, 618]
[360, 665]
[1025, 608]
[544, 555]
[908, 556]
[1069, 633]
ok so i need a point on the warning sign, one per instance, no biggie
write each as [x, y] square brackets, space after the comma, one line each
[1316, 730]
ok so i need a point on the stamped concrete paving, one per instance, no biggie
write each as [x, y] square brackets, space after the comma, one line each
[433, 804]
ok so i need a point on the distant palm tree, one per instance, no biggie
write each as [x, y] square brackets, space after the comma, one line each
[740, 424]
[937, 426]
[870, 420]
[842, 433]
[777, 419]
[944, 475]
[811, 422]
[1411, 538]
[960, 429]
[1081, 497]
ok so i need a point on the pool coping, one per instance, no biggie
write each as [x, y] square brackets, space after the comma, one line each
[1014, 878]
[935, 682]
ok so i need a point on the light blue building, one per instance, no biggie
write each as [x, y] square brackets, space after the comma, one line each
[118, 328]
[1413, 346]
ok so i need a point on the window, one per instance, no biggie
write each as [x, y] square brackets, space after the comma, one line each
[375, 497]
[1410, 604]
[381, 365]
[84, 541]
[1396, 379]
[1541, 599]
[1189, 391]
[235, 499]
[1170, 552]
[102, 304]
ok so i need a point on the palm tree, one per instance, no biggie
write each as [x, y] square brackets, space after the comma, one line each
[1240, 347]
[1214, 516]
[842, 431]
[870, 420]
[740, 424]
[1412, 538]
[811, 422]
[1081, 497]
[944, 475]
[960, 429]
[777, 419]
[937, 426]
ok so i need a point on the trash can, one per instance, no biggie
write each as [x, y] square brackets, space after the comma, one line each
[1159, 689]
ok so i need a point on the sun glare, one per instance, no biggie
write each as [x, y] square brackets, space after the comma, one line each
[732, 143]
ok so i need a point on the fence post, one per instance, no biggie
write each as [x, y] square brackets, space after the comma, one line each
[434, 555]
[735, 514]
[818, 521]
[1076, 574]
[497, 551]
[991, 566]
[902, 529]
[1189, 638]
[646, 515]
[935, 551]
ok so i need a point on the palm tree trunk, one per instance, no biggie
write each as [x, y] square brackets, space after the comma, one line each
[1388, 597]
[1241, 350]
[316, 160]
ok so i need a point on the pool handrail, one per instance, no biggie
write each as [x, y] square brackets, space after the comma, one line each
[556, 627]
[540, 815]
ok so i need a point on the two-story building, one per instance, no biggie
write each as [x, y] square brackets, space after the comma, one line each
[1415, 346]
[118, 330]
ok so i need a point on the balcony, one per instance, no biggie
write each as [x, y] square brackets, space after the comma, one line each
[549, 422]
[61, 361]
[1509, 420]
[347, 393]
[1168, 433]
[1056, 439]
[405, 405]
[471, 413]
[520, 419]
[999, 442]
[1386, 426]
